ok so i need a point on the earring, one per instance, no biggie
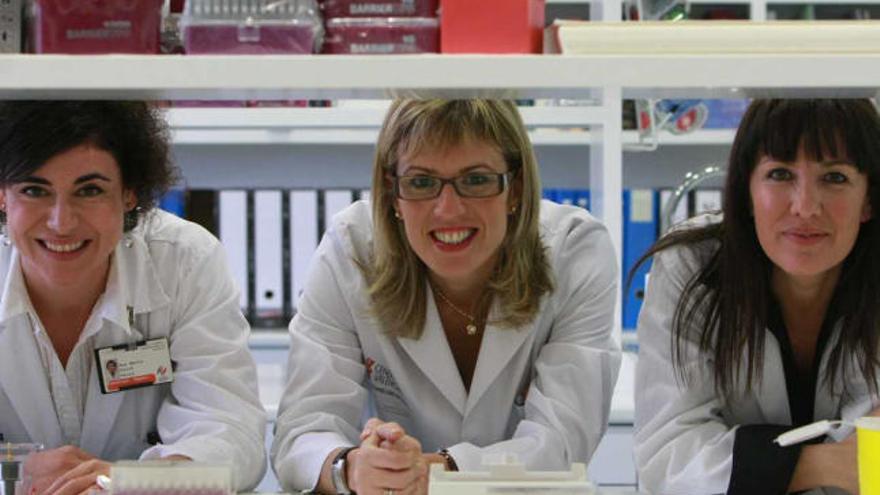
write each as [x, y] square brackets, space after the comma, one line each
[397, 215]
[513, 210]
[4, 236]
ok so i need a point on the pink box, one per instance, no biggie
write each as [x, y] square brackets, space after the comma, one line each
[95, 26]
[379, 8]
[382, 35]
[253, 38]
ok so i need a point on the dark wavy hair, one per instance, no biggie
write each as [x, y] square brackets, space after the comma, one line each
[730, 296]
[32, 132]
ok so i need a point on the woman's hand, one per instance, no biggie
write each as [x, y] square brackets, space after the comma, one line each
[65, 470]
[387, 459]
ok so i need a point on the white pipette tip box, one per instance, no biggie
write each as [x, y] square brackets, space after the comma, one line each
[504, 474]
[162, 477]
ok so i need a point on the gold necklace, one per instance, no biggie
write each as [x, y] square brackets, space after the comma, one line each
[471, 327]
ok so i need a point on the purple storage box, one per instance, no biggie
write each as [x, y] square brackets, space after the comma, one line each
[379, 8]
[382, 35]
[250, 38]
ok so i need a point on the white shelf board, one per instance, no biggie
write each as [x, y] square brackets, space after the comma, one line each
[502, 76]
[548, 126]
[346, 126]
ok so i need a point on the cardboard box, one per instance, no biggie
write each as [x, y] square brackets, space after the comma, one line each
[491, 26]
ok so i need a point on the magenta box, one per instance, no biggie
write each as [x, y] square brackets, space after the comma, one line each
[95, 26]
[379, 8]
[382, 35]
[261, 37]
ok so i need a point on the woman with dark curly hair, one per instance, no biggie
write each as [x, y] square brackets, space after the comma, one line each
[92, 274]
[765, 318]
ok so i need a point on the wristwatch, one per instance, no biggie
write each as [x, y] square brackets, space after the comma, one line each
[337, 470]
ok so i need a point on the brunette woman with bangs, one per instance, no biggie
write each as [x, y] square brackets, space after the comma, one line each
[766, 318]
[461, 312]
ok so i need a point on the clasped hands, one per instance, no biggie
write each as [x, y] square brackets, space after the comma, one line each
[389, 461]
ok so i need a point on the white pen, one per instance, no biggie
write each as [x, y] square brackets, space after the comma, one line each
[807, 432]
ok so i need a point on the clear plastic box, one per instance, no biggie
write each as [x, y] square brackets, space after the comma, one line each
[369, 35]
[250, 27]
[378, 8]
[95, 26]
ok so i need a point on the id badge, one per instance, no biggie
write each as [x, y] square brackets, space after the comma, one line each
[127, 366]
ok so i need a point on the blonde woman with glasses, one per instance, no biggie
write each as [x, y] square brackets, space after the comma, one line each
[458, 312]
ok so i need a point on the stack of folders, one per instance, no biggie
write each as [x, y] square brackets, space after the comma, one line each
[269, 236]
[641, 228]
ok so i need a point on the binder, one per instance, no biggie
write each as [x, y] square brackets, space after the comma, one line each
[582, 198]
[639, 233]
[304, 231]
[679, 215]
[174, 202]
[233, 226]
[566, 196]
[201, 208]
[335, 200]
[268, 259]
[707, 200]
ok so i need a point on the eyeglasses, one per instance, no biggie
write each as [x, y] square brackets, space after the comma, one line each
[471, 185]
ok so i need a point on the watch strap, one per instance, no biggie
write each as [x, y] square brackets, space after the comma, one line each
[338, 472]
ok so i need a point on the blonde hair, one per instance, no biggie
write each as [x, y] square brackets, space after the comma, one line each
[396, 276]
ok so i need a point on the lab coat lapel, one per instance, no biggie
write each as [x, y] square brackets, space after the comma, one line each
[21, 370]
[24, 381]
[498, 348]
[431, 353]
[828, 400]
[121, 294]
[772, 394]
[101, 409]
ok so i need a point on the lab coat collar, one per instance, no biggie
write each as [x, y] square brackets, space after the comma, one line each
[433, 356]
[772, 395]
[15, 301]
[498, 348]
[137, 279]
[132, 283]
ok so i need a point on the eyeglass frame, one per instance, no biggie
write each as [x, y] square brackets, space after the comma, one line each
[506, 178]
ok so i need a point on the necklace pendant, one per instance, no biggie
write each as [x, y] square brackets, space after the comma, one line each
[471, 329]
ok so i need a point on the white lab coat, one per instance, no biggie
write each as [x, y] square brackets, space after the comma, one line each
[542, 392]
[173, 275]
[684, 436]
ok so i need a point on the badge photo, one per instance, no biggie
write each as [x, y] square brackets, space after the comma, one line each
[126, 366]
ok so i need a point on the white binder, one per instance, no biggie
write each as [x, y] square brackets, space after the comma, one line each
[233, 229]
[268, 276]
[303, 238]
[335, 200]
[707, 200]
